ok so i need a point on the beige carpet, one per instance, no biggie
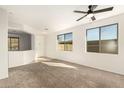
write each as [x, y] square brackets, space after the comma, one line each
[60, 74]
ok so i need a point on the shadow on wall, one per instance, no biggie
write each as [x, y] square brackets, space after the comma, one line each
[24, 42]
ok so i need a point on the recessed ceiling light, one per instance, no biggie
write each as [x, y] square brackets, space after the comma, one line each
[46, 29]
[10, 12]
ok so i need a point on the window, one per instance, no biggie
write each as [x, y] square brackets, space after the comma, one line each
[103, 39]
[13, 43]
[65, 42]
[93, 40]
[109, 39]
[61, 42]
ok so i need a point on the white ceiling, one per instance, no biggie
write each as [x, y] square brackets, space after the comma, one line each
[54, 17]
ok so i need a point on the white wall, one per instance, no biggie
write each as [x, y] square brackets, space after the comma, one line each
[3, 44]
[39, 40]
[108, 62]
[18, 58]
[40, 45]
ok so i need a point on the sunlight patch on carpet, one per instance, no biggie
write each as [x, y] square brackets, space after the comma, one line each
[59, 65]
[43, 59]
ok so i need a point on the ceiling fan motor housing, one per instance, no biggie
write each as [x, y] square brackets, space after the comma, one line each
[90, 11]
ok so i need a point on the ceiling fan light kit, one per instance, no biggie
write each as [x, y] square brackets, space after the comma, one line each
[90, 15]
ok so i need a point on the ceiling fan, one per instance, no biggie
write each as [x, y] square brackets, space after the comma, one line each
[90, 13]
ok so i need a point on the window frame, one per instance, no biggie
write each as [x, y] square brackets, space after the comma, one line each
[101, 40]
[11, 43]
[64, 34]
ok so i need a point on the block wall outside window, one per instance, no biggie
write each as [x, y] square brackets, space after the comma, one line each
[13, 43]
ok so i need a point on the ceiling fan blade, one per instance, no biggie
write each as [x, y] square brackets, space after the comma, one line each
[81, 17]
[103, 10]
[93, 18]
[93, 7]
[79, 11]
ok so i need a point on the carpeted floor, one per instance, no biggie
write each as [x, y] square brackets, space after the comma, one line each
[50, 73]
